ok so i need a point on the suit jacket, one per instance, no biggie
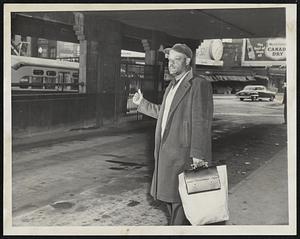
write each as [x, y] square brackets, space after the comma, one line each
[187, 134]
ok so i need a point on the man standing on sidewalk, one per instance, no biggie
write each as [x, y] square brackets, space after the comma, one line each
[183, 129]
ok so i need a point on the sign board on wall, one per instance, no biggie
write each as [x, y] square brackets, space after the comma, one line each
[264, 51]
[67, 49]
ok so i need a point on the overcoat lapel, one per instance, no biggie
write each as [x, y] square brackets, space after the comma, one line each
[180, 93]
[159, 119]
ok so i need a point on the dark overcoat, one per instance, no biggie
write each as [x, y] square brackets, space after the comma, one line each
[187, 134]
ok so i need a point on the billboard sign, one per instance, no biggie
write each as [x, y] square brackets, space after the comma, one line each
[210, 53]
[264, 51]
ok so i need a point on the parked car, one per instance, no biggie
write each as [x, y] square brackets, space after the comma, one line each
[255, 92]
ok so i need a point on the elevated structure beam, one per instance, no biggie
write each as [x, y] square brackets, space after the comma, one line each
[39, 28]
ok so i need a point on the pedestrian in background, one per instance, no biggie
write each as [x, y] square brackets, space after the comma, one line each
[284, 102]
[183, 129]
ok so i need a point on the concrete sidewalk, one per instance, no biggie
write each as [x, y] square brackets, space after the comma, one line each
[262, 198]
[259, 199]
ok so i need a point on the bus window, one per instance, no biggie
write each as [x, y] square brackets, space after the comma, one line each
[64, 77]
[67, 80]
[75, 80]
[51, 73]
[37, 81]
[38, 72]
[50, 82]
[60, 80]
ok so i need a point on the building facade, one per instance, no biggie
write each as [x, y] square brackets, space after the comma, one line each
[230, 64]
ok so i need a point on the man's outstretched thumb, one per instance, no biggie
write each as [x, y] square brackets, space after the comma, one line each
[139, 91]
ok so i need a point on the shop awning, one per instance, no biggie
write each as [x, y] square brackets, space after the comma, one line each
[215, 78]
[261, 77]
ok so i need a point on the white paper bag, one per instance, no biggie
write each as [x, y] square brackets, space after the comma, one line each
[206, 207]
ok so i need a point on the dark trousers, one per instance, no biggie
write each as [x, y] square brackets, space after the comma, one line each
[176, 214]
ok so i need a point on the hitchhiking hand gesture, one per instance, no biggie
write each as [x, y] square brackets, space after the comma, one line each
[137, 98]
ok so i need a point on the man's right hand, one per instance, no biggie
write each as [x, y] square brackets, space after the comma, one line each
[137, 98]
[199, 163]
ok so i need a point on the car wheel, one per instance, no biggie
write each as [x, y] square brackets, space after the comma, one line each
[252, 98]
[241, 99]
[271, 98]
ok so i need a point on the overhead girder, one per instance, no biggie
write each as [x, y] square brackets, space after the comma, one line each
[205, 23]
[35, 27]
[172, 26]
[41, 27]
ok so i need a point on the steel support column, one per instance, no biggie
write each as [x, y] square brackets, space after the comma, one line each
[103, 61]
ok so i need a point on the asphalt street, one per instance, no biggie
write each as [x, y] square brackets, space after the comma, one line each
[104, 180]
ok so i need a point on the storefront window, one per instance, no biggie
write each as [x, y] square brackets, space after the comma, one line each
[52, 53]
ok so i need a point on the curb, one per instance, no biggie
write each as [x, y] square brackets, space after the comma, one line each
[46, 139]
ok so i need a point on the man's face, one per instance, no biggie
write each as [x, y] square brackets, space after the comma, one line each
[177, 63]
